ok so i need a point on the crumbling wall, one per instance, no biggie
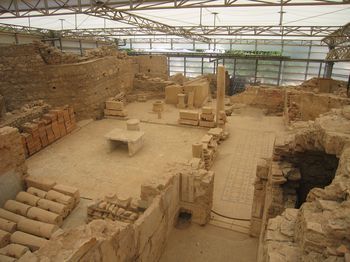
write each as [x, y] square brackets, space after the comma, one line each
[271, 99]
[143, 240]
[153, 65]
[304, 106]
[319, 230]
[12, 163]
[27, 74]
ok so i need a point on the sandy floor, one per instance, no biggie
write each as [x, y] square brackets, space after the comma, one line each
[83, 158]
[209, 244]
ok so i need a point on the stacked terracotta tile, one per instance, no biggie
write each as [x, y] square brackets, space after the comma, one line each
[187, 117]
[207, 117]
[113, 208]
[51, 126]
[27, 222]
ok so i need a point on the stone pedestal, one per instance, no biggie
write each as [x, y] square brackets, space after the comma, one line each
[181, 98]
[133, 125]
[220, 91]
[197, 150]
[190, 100]
[158, 106]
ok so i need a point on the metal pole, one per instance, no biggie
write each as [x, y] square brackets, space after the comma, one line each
[61, 23]
[168, 59]
[60, 40]
[319, 70]
[29, 21]
[202, 69]
[76, 21]
[184, 65]
[329, 66]
[81, 48]
[256, 70]
[307, 63]
[234, 67]
[279, 73]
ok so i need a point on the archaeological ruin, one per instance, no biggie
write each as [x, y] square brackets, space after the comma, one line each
[127, 135]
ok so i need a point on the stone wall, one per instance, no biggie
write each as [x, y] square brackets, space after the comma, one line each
[145, 239]
[319, 230]
[12, 163]
[152, 65]
[268, 98]
[294, 103]
[304, 106]
[28, 74]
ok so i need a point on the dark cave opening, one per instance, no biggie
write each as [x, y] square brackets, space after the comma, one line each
[310, 169]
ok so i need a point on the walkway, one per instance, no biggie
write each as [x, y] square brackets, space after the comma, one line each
[252, 137]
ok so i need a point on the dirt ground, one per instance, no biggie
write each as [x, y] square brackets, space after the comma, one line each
[209, 244]
[83, 159]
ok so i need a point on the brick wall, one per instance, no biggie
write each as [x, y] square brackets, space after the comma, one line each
[25, 76]
[12, 165]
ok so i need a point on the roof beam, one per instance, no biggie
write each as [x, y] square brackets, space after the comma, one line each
[292, 31]
[338, 37]
[25, 8]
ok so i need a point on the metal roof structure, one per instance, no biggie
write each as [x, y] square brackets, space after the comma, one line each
[126, 11]
[17, 8]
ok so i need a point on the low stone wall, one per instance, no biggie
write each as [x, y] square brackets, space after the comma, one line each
[319, 230]
[268, 98]
[294, 103]
[12, 163]
[145, 239]
[304, 106]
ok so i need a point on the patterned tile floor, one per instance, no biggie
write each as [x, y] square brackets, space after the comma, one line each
[251, 138]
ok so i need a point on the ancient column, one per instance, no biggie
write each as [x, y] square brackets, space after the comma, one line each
[220, 91]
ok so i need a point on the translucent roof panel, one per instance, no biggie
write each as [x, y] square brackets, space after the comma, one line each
[327, 15]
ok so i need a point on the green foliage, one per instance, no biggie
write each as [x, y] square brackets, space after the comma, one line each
[128, 50]
[253, 53]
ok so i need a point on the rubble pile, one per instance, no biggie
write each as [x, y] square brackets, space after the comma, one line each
[207, 117]
[26, 113]
[113, 208]
[319, 229]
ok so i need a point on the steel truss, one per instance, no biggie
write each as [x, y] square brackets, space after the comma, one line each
[257, 31]
[338, 37]
[117, 10]
[240, 41]
[339, 54]
[18, 8]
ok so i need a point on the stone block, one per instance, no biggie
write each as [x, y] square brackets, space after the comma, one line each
[188, 122]
[114, 105]
[190, 115]
[171, 93]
